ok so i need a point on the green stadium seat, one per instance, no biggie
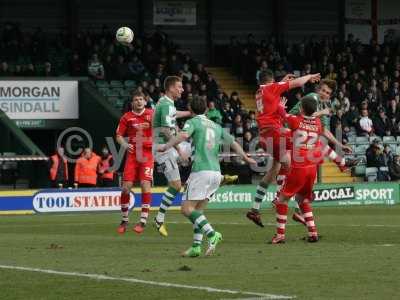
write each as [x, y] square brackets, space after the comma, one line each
[373, 138]
[103, 90]
[351, 138]
[398, 150]
[125, 93]
[389, 139]
[113, 93]
[112, 99]
[359, 170]
[102, 84]
[362, 140]
[361, 149]
[371, 174]
[116, 84]
[131, 84]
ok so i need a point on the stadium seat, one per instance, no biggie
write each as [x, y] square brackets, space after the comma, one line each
[398, 150]
[126, 93]
[112, 99]
[130, 84]
[351, 138]
[373, 138]
[103, 90]
[389, 139]
[371, 174]
[102, 84]
[116, 84]
[359, 170]
[362, 140]
[361, 149]
[113, 93]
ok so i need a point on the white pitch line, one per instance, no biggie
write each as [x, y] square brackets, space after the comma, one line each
[148, 282]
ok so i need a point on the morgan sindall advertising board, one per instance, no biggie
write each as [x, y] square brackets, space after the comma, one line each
[39, 99]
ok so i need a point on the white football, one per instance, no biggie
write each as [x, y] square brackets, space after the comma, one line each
[124, 35]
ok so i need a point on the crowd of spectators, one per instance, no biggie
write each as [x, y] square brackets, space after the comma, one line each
[366, 101]
[368, 76]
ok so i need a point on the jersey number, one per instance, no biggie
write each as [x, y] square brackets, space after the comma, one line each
[210, 138]
[305, 139]
[148, 172]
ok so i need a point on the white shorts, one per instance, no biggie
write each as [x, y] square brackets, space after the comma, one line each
[168, 161]
[202, 185]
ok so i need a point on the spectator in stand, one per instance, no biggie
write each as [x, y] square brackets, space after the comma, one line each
[4, 69]
[365, 124]
[388, 153]
[121, 69]
[394, 168]
[201, 72]
[86, 169]
[339, 125]
[135, 67]
[235, 102]
[393, 112]
[237, 128]
[228, 115]
[214, 114]
[76, 67]
[29, 71]
[58, 169]
[220, 100]
[48, 70]
[105, 169]
[195, 82]
[358, 93]
[376, 159]
[186, 73]
[382, 124]
[341, 102]
[212, 86]
[248, 143]
[96, 68]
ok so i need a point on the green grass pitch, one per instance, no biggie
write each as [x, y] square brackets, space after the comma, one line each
[357, 258]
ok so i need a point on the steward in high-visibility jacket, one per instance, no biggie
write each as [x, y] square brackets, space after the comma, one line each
[58, 169]
[106, 174]
[86, 169]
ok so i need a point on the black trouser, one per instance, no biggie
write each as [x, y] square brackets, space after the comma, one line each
[107, 183]
[86, 185]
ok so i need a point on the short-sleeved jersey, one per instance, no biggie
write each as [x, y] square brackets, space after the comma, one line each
[325, 121]
[268, 98]
[137, 127]
[306, 143]
[207, 138]
[164, 116]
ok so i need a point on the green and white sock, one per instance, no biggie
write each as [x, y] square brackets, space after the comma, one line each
[260, 195]
[197, 236]
[166, 202]
[198, 219]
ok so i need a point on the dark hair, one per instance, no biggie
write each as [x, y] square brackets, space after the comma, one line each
[137, 93]
[170, 81]
[198, 105]
[309, 105]
[265, 76]
[330, 83]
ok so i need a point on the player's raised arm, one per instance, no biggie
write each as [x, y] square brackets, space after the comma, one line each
[174, 141]
[239, 150]
[299, 82]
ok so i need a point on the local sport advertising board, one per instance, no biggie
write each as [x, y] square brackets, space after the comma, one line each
[39, 99]
[227, 197]
[386, 193]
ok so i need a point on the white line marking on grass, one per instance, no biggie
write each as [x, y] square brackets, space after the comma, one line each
[148, 282]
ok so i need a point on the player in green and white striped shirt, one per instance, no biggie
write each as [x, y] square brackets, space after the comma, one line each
[205, 178]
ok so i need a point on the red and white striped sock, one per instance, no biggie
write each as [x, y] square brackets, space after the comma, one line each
[336, 158]
[280, 180]
[146, 202]
[306, 208]
[125, 206]
[281, 218]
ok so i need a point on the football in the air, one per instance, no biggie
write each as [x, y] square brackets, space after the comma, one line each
[124, 35]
